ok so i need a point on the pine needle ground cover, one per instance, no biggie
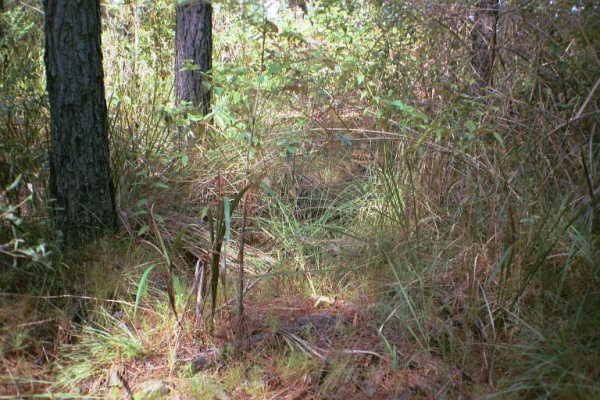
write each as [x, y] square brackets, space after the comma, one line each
[367, 212]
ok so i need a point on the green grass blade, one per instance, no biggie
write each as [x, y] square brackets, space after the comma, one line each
[141, 288]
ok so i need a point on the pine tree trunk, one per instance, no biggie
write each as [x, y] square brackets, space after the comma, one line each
[193, 42]
[1, 22]
[483, 37]
[80, 186]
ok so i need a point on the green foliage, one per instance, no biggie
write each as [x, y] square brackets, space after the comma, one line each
[23, 115]
[142, 288]
[99, 349]
[468, 218]
[20, 257]
[220, 232]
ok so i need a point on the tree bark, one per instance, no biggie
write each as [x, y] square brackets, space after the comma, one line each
[193, 42]
[1, 22]
[483, 37]
[81, 185]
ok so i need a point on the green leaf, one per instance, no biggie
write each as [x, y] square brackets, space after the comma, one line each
[142, 203]
[143, 230]
[141, 288]
[399, 104]
[195, 117]
[471, 126]
[219, 121]
[159, 218]
[160, 185]
[275, 68]
[14, 184]
[498, 138]
[185, 160]
[291, 149]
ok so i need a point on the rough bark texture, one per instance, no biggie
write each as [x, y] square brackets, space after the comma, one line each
[483, 37]
[80, 178]
[193, 42]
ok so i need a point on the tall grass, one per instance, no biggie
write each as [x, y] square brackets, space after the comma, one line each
[466, 224]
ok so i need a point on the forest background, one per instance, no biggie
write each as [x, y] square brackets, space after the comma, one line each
[405, 220]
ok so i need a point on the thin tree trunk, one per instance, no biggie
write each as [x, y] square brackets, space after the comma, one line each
[80, 186]
[1, 22]
[193, 42]
[483, 37]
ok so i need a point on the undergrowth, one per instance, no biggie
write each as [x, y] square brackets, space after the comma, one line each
[454, 230]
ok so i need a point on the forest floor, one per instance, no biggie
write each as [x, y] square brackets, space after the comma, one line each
[319, 322]
[347, 360]
[406, 233]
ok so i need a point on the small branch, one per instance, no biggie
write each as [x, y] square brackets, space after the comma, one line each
[587, 100]
[32, 7]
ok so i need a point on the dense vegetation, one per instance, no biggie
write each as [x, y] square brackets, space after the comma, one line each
[449, 225]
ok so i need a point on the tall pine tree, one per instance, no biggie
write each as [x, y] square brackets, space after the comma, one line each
[81, 185]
